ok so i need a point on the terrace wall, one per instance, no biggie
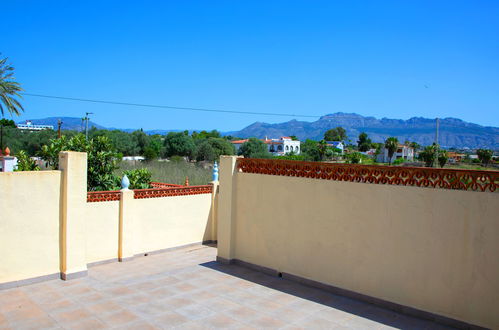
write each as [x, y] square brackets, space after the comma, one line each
[433, 250]
[29, 225]
[50, 226]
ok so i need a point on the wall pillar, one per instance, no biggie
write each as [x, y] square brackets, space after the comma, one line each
[226, 208]
[126, 245]
[73, 166]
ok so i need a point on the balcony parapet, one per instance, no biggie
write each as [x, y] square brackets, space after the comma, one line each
[440, 178]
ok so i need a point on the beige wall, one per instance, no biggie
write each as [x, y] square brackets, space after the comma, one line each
[29, 224]
[47, 227]
[167, 222]
[432, 249]
[102, 222]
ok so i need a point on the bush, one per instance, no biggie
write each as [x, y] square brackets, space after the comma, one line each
[25, 163]
[140, 178]
[101, 159]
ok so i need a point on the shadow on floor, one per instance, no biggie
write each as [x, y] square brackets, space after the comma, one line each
[337, 302]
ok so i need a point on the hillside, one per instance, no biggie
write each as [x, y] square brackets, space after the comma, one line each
[453, 132]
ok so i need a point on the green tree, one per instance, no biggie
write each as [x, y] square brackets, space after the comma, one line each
[335, 134]
[391, 144]
[102, 159]
[442, 158]
[25, 163]
[364, 143]
[179, 144]
[212, 148]
[310, 150]
[153, 149]
[9, 90]
[484, 155]
[254, 148]
[428, 155]
[205, 152]
[416, 146]
[7, 123]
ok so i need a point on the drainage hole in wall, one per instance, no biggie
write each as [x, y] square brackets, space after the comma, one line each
[279, 275]
[146, 254]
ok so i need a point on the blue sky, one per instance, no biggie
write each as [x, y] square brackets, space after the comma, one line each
[396, 59]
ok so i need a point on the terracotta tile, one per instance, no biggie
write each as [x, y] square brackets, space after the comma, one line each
[220, 304]
[243, 313]
[195, 311]
[90, 298]
[267, 322]
[23, 312]
[169, 319]
[219, 321]
[57, 306]
[104, 306]
[178, 302]
[118, 318]
[72, 315]
[140, 324]
[89, 323]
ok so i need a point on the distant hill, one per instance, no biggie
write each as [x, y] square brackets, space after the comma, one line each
[453, 132]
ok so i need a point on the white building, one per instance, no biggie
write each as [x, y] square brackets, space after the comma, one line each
[337, 145]
[403, 151]
[30, 127]
[277, 147]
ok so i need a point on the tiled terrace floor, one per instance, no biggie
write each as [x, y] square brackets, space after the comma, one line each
[187, 289]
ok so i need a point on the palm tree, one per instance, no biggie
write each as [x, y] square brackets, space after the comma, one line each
[391, 144]
[9, 89]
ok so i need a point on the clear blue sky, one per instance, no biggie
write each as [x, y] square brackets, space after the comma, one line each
[396, 59]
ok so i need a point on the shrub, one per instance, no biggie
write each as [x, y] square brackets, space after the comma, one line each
[140, 178]
[101, 159]
[25, 163]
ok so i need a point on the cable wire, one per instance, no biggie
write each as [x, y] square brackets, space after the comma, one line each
[169, 107]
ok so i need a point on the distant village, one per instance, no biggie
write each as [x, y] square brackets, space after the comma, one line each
[208, 146]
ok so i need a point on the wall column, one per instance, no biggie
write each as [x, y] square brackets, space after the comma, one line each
[226, 208]
[126, 248]
[73, 166]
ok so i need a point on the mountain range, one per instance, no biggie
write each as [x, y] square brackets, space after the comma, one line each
[453, 132]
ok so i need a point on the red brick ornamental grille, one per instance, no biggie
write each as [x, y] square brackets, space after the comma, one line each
[164, 185]
[103, 196]
[167, 192]
[407, 176]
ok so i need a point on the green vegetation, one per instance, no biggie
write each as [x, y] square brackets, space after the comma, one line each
[391, 144]
[102, 159]
[9, 90]
[484, 155]
[364, 143]
[140, 178]
[335, 134]
[254, 148]
[442, 158]
[25, 163]
[428, 155]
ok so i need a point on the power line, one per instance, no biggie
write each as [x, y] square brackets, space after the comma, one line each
[169, 107]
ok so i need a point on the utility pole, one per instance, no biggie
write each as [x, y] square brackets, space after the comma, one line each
[86, 124]
[59, 124]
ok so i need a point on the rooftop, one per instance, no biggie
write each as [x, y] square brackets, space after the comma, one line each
[186, 288]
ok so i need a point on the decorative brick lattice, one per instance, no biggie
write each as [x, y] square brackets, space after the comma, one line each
[407, 176]
[164, 185]
[168, 192]
[103, 196]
